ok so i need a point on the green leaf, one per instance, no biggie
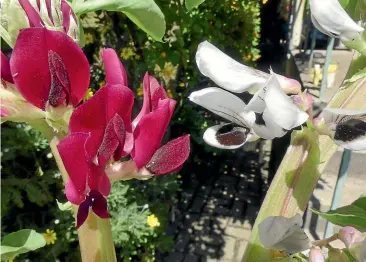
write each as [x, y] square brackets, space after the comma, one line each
[144, 13]
[20, 242]
[190, 4]
[64, 206]
[353, 215]
[343, 3]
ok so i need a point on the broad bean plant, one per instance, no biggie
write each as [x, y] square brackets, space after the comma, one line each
[99, 141]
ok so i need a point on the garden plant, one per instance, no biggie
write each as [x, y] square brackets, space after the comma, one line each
[90, 127]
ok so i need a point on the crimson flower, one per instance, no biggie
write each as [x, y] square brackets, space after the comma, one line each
[49, 69]
[87, 185]
[150, 126]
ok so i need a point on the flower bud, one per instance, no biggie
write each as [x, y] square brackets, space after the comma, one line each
[52, 14]
[350, 235]
[316, 255]
[288, 85]
[358, 250]
[304, 101]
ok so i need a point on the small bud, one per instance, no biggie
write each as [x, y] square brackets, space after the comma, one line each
[127, 170]
[289, 86]
[316, 255]
[52, 14]
[350, 235]
[304, 101]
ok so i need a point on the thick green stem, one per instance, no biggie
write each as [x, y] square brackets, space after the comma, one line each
[95, 235]
[300, 170]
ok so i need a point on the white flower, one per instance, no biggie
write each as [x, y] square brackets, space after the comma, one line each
[347, 127]
[269, 114]
[330, 18]
[277, 110]
[233, 76]
[231, 108]
[283, 233]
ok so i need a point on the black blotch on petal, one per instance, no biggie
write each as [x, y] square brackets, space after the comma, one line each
[350, 130]
[232, 134]
[259, 119]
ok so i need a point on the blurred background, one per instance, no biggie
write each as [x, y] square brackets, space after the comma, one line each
[206, 210]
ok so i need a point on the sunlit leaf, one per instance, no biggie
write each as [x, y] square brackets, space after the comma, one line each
[352, 215]
[144, 13]
[20, 242]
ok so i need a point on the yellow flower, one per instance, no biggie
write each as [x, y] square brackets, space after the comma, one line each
[152, 221]
[127, 53]
[168, 73]
[89, 38]
[101, 84]
[264, 1]
[169, 93]
[140, 91]
[88, 94]
[181, 84]
[50, 237]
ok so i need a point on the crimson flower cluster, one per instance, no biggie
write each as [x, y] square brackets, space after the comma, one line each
[50, 70]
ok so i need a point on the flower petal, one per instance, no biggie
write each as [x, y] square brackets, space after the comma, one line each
[149, 132]
[223, 104]
[5, 69]
[31, 73]
[83, 212]
[99, 206]
[266, 128]
[114, 137]
[94, 115]
[115, 72]
[330, 18]
[282, 109]
[226, 72]
[72, 152]
[170, 156]
[153, 92]
[227, 136]
[349, 127]
[33, 16]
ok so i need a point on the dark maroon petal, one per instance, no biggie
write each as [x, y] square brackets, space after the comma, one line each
[149, 132]
[30, 65]
[100, 207]
[115, 72]
[83, 212]
[33, 16]
[114, 137]
[153, 93]
[72, 152]
[60, 83]
[66, 13]
[5, 69]
[94, 115]
[170, 156]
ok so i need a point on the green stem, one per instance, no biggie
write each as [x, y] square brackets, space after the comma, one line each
[298, 174]
[95, 235]
[5, 35]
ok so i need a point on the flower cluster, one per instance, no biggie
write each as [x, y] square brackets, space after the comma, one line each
[49, 74]
[269, 114]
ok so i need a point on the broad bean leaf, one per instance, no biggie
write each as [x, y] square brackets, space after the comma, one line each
[20, 242]
[352, 215]
[190, 4]
[144, 13]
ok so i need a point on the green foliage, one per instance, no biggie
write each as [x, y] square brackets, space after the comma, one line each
[130, 204]
[352, 215]
[144, 13]
[20, 242]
